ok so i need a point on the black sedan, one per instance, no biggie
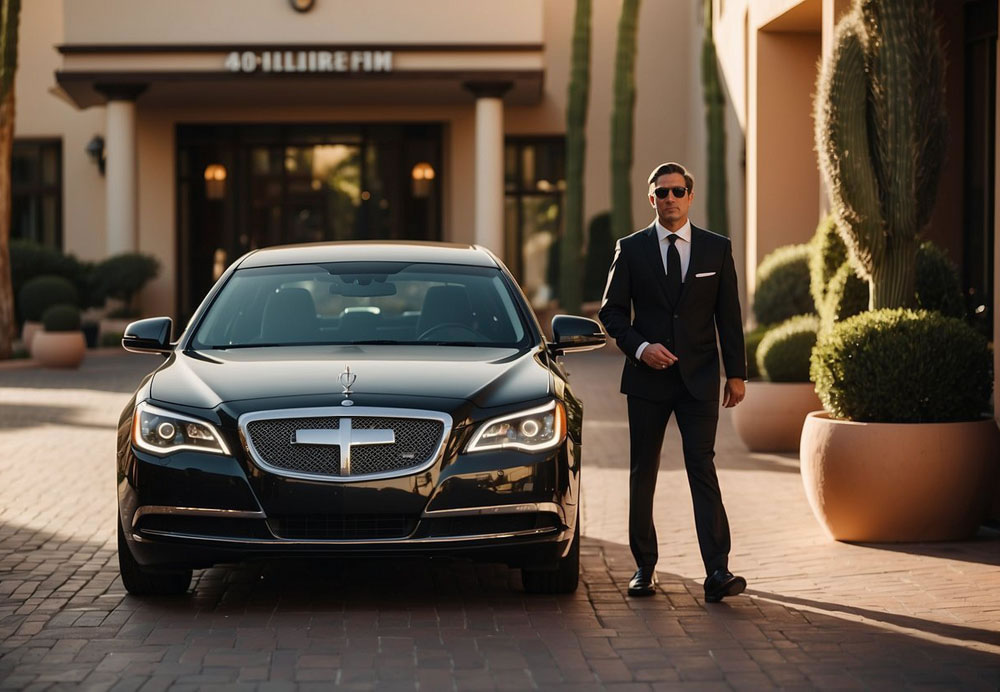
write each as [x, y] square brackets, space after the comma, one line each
[354, 399]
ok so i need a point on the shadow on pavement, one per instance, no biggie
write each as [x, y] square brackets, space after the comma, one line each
[117, 373]
[984, 549]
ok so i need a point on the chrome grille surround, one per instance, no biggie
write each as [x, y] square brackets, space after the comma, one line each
[324, 463]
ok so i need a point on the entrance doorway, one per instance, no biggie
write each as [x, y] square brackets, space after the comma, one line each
[242, 187]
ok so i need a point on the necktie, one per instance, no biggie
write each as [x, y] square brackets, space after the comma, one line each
[673, 269]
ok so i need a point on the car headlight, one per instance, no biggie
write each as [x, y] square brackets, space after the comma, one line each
[165, 432]
[532, 431]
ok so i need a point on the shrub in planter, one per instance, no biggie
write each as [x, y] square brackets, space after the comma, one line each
[938, 286]
[62, 318]
[827, 253]
[938, 289]
[752, 340]
[42, 292]
[846, 296]
[29, 259]
[903, 366]
[783, 285]
[770, 418]
[61, 344]
[123, 276]
[783, 354]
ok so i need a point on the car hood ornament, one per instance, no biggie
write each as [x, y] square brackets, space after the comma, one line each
[347, 379]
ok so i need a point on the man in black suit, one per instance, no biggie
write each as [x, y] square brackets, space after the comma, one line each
[680, 281]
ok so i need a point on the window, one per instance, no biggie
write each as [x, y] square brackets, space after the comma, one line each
[535, 185]
[36, 194]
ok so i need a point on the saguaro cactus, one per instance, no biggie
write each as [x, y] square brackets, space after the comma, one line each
[880, 134]
[10, 12]
[715, 122]
[571, 254]
[622, 115]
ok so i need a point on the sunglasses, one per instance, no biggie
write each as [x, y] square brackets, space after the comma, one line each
[663, 192]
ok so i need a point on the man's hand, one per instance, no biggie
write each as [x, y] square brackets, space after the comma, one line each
[658, 357]
[735, 390]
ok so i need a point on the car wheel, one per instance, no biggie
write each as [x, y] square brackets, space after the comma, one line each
[564, 578]
[140, 581]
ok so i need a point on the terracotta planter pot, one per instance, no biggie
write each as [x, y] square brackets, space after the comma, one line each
[898, 482]
[59, 349]
[770, 418]
[28, 332]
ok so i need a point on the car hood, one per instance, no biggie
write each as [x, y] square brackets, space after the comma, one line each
[486, 377]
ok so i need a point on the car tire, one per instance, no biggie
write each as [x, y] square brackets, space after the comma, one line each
[563, 579]
[140, 581]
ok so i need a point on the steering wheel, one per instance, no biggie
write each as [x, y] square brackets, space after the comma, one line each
[448, 325]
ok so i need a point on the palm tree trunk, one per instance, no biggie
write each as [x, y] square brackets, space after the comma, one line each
[10, 12]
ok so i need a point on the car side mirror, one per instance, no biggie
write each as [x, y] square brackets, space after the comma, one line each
[149, 336]
[574, 334]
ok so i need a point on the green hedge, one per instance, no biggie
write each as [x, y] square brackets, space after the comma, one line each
[42, 292]
[903, 366]
[600, 252]
[938, 285]
[62, 318]
[938, 289]
[123, 276]
[28, 259]
[783, 354]
[752, 340]
[827, 253]
[783, 285]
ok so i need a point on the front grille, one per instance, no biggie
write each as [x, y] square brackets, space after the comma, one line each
[343, 526]
[416, 440]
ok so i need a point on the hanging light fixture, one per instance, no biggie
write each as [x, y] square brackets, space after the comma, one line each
[215, 181]
[423, 176]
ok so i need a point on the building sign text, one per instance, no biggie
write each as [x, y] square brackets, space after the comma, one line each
[309, 61]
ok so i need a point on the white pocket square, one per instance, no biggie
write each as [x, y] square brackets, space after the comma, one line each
[698, 276]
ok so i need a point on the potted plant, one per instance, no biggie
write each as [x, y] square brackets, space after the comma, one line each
[771, 419]
[36, 296]
[902, 451]
[120, 278]
[61, 344]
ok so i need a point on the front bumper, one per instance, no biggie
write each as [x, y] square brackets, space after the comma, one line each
[194, 510]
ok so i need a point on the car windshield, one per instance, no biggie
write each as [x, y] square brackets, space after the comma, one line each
[363, 303]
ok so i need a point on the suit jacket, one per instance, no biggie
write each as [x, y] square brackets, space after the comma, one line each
[709, 302]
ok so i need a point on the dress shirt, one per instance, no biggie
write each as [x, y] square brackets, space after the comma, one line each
[683, 244]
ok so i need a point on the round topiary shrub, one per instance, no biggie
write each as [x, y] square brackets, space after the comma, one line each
[41, 293]
[783, 354]
[903, 366]
[827, 253]
[62, 318]
[600, 252]
[846, 296]
[751, 341]
[937, 289]
[783, 285]
[938, 286]
[123, 276]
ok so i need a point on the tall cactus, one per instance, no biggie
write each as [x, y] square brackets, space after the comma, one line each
[10, 13]
[571, 255]
[622, 114]
[880, 134]
[715, 122]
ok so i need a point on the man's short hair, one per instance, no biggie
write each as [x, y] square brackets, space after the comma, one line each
[672, 167]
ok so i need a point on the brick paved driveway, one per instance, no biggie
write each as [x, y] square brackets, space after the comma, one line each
[818, 614]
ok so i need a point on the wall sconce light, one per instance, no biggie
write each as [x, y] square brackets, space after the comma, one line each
[423, 177]
[95, 150]
[215, 181]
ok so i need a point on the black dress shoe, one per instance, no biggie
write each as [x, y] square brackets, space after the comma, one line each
[722, 583]
[642, 582]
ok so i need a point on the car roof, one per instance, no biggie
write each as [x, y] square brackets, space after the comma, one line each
[370, 251]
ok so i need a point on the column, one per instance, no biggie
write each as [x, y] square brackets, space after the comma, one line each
[121, 184]
[489, 163]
